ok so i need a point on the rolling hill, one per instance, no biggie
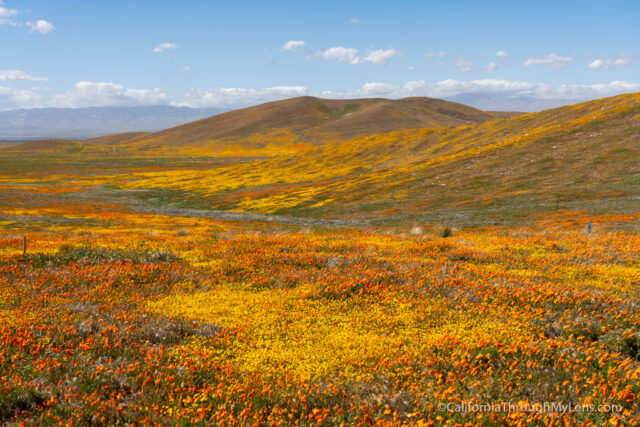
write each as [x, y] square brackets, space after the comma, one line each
[579, 157]
[291, 125]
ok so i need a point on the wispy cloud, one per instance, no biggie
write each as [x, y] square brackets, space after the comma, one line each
[354, 21]
[341, 54]
[443, 58]
[164, 46]
[20, 76]
[463, 65]
[502, 54]
[6, 15]
[618, 60]
[7, 18]
[40, 26]
[293, 45]
[491, 66]
[351, 55]
[550, 60]
[440, 54]
[381, 56]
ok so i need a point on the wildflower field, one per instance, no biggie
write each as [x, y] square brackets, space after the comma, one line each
[236, 325]
[332, 293]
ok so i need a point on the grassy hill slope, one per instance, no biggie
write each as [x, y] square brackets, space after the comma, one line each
[115, 138]
[51, 146]
[583, 156]
[296, 124]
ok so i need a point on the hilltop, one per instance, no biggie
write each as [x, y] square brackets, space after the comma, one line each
[295, 124]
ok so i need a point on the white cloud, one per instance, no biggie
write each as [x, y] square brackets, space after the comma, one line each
[237, 97]
[618, 60]
[17, 75]
[411, 68]
[163, 47]
[186, 68]
[350, 55]
[502, 54]
[41, 26]
[7, 13]
[600, 63]
[487, 92]
[342, 54]
[463, 65]
[12, 99]
[381, 57]
[491, 66]
[550, 60]
[486, 87]
[106, 93]
[293, 45]
[86, 94]
[354, 20]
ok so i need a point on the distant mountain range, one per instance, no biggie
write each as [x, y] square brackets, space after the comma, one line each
[502, 102]
[81, 123]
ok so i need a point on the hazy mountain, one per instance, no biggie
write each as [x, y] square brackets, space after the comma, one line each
[80, 123]
[501, 102]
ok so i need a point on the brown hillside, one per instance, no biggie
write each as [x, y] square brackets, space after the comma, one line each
[581, 157]
[407, 113]
[288, 124]
[44, 145]
[115, 138]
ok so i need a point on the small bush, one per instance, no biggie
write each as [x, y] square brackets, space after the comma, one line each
[631, 346]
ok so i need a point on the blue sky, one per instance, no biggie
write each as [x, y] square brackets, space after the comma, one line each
[237, 53]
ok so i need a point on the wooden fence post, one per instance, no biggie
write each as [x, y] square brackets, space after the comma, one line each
[24, 245]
